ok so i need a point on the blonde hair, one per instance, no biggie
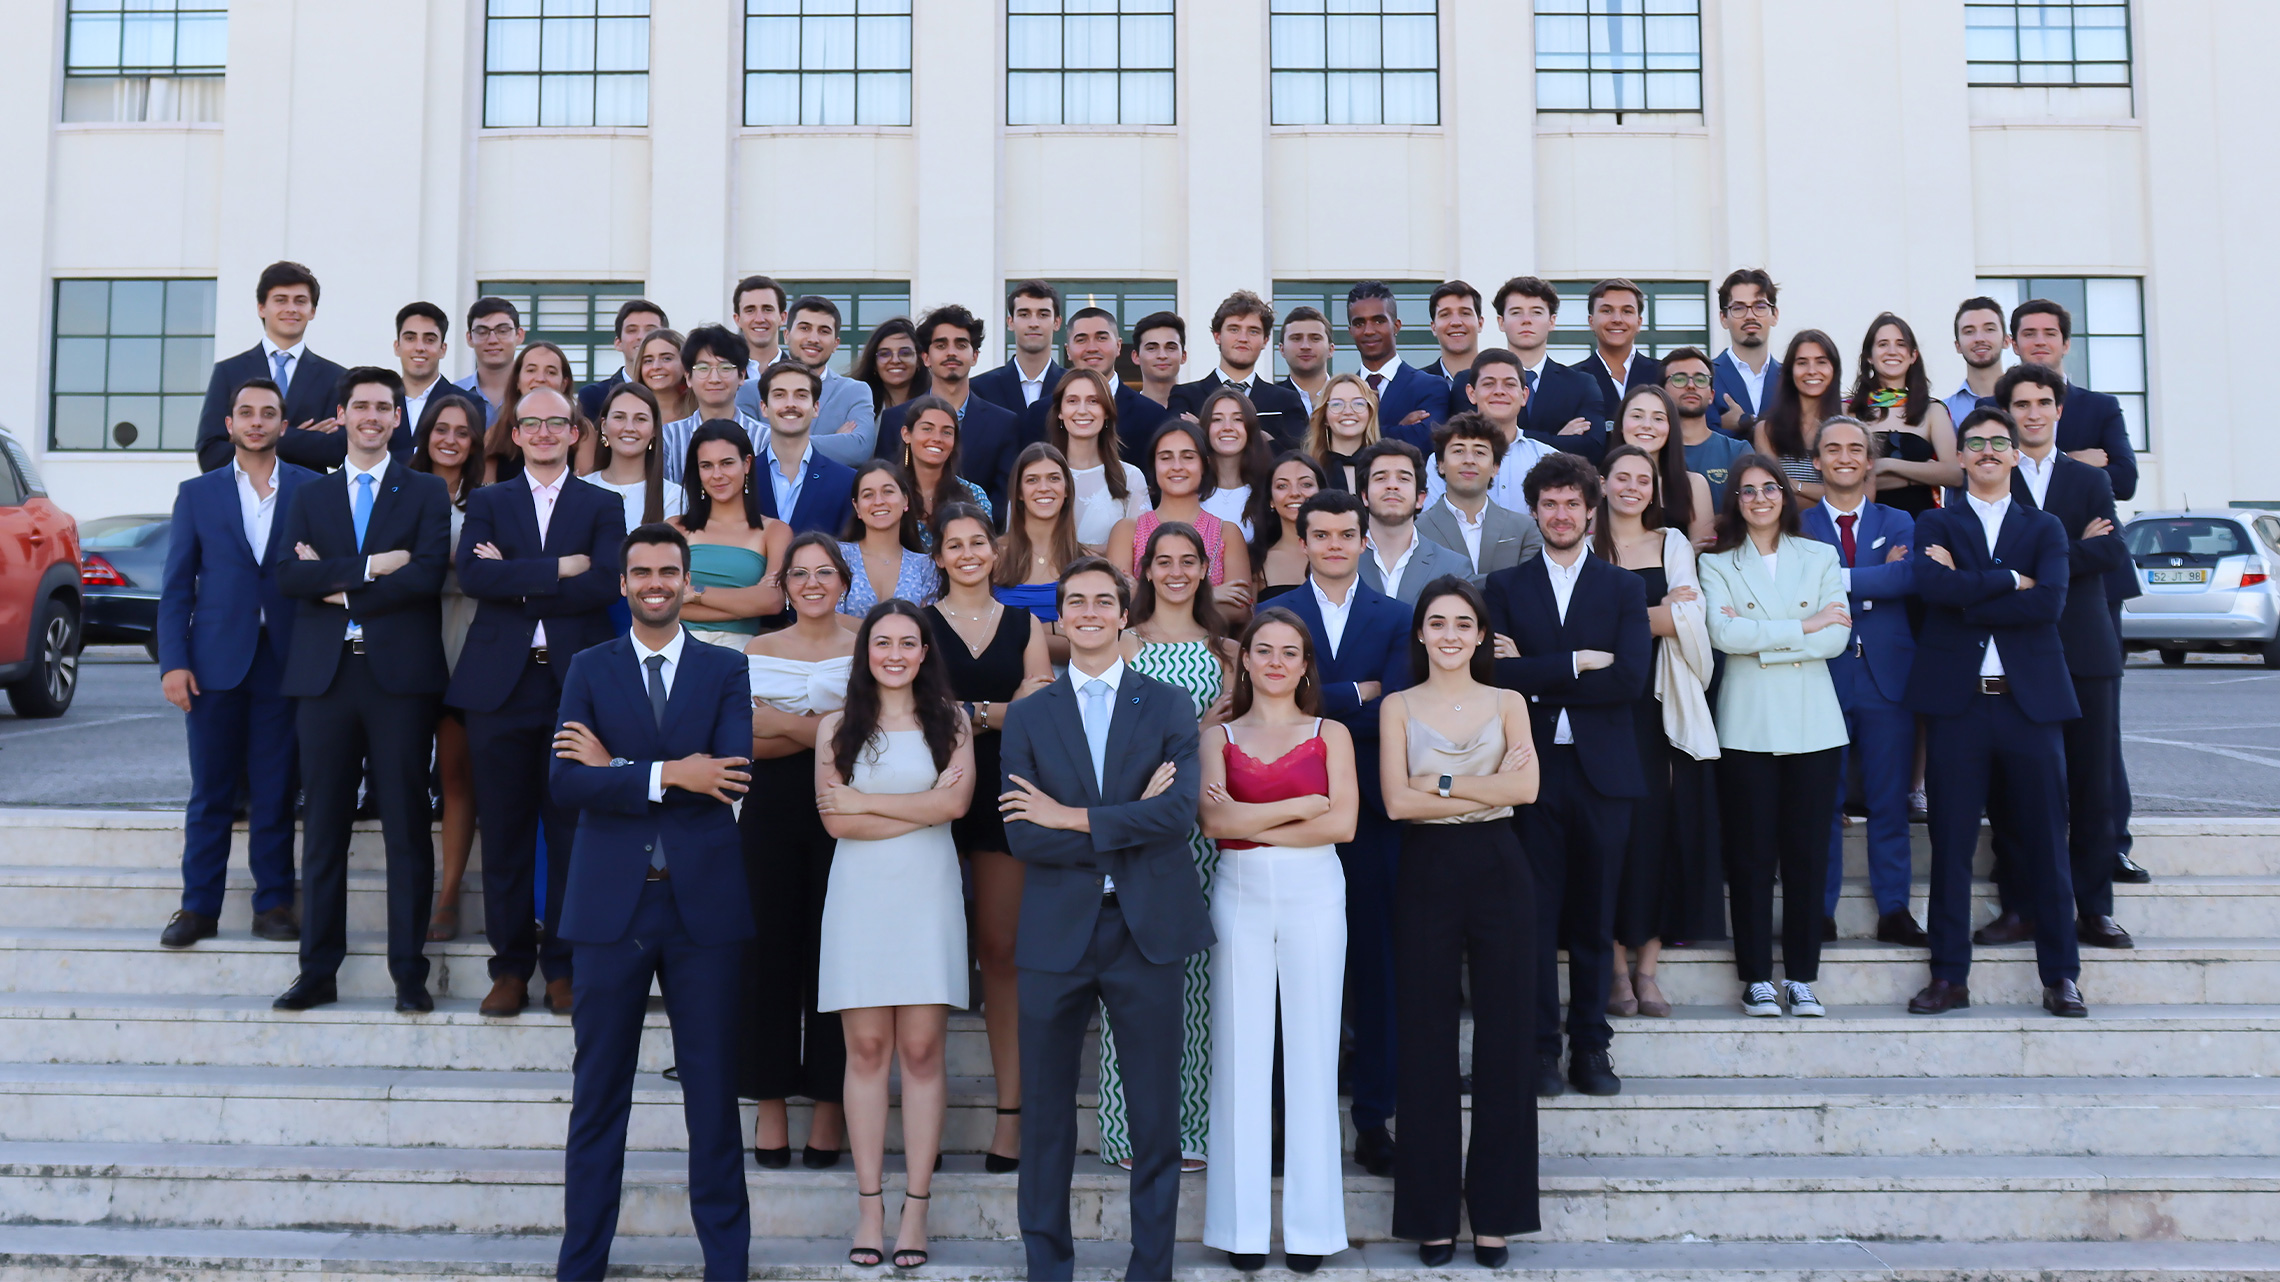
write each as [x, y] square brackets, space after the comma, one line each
[1318, 425]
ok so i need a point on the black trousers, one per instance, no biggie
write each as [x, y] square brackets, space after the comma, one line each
[2119, 800]
[1465, 897]
[2093, 740]
[1574, 838]
[351, 722]
[787, 1047]
[513, 749]
[1778, 809]
[1993, 744]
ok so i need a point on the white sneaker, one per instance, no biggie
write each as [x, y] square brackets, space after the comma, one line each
[1801, 1001]
[1759, 999]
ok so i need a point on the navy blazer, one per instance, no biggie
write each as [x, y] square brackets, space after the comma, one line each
[989, 437]
[1562, 393]
[589, 397]
[1374, 647]
[1002, 386]
[1282, 411]
[219, 593]
[401, 613]
[1137, 418]
[1978, 602]
[827, 495]
[1884, 643]
[708, 711]
[2093, 420]
[1644, 370]
[1726, 380]
[2078, 495]
[1143, 844]
[313, 397]
[1410, 390]
[1607, 611]
[524, 587]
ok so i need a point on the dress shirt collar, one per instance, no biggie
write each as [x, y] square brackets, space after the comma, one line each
[1564, 576]
[1989, 511]
[672, 653]
[1829, 505]
[1536, 369]
[2037, 473]
[1386, 371]
[350, 470]
[775, 464]
[548, 491]
[1459, 512]
[1246, 384]
[269, 351]
[243, 478]
[1113, 674]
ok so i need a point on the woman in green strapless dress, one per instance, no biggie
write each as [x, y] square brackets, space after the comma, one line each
[733, 545]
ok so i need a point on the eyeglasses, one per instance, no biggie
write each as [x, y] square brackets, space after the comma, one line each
[492, 331]
[1760, 308]
[535, 425]
[800, 574]
[1987, 444]
[1346, 403]
[1760, 491]
[703, 369]
[1686, 380]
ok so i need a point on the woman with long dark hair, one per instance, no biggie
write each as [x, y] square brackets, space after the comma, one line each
[1040, 536]
[1279, 793]
[1454, 756]
[539, 364]
[1777, 607]
[930, 459]
[633, 459]
[1891, 393]
[1682, 496]
[888, 365]
[883, 547]
[666, 376]
[1241, 453]
[899, 769]
[1180, 477]
[1278, 555]
[789, 1046]
[732, 542]
[996, 654]
[1080, 421]
[444, 445]
[1811, 371]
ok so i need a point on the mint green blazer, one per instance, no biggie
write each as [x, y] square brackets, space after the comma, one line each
[1776, 696]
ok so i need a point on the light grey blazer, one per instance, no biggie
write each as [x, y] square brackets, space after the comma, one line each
[1506, 537]
[844, 400]
[1776, 696]
[1429, 562]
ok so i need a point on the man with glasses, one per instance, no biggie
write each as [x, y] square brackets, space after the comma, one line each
[539, 553]
[1688, 377]
[495, 331]
[1746, 371]
[1990, 678]
[715, 356]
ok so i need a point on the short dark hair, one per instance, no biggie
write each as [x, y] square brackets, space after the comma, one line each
[750, 283]
[2031, 372]
[817, 303]
[281, 273]
[1040, 289]
[493, 305]
[1821, 429]
[1562, 471]
[718, 340]
[1469, 426]
[1988, 414]
[789, 366]
[1390, 447]
[257, 384]
[1757, 276]
[1614, 285]
[1451, 289]
[1975, 303]
[634, 307]
[1677, 354]
[1093, 565]
[1365, 290]
[1497, 356]
[366, 374]
[1241, 303]
[1302, 312]
[430, 311]
[1535, 287]
[2044, 307]
[952, 315]
[1333, 502]
[1160, 320]
[1089, 313]
[656, 532]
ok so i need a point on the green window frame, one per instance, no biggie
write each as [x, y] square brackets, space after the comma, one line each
[1089, 62]
[565, 63]
[1355, 62]
[129, 363]
[1677, 315]
[2047, 42]
[863, 306]
[1415, 344]
[826, 62]
[2107, 352]
[1619, 55]
[1127, 300]
[580, 317]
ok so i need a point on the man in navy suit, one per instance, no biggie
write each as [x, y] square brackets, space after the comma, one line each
[1240, 327]
[1745, 376]
[1361, 646]
[1094, 344]
[539, 553]
[988, 435]
[287, 296]
[651, 752]
[1100, 786]
[1616, 309]
[1565, 409]
[1990, 675]
[1871, 675]
[1032, 317]
[371, 544]
[801, 487]
[224, 629]
[1571, 634]
[1454, 310]
[1410, 401]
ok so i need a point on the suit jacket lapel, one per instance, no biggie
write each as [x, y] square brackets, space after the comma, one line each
[1069, 720]
[2022, 494]
[1124, 711]
[285, 489]
[1752, 567]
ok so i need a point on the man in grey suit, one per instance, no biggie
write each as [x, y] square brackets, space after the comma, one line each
[1100, 793]
[1469, 454]
[1398, 562]
[846, 427]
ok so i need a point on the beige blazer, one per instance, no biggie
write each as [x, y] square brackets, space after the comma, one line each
[1777, 696]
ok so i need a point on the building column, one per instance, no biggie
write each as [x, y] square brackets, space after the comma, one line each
[1222, 51]
[1488, 106]
[31, 63]
[957, 114]
[694, 113]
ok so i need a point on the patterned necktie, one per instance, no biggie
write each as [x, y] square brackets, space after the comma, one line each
[1845, 534]
[361, 510]
[1095, 713]
[282, 363]
[656, 665]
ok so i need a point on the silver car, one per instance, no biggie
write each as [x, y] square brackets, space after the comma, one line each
[2208, 579]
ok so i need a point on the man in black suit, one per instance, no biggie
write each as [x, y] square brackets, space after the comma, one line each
[1306, 352]
[1990, 677]
[371, 545]
[1571, 634]
[287, 296]
[1100, 794]
[1616, 309]
[651, 751]
[1454, 309]
[1032, 317]
[1565, 408]
[539, 553]
[1240, 327]
[637, 319]
[1094, 344]
[988, 435]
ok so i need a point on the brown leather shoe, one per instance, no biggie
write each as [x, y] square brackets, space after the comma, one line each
[509, 994]
[1938, 998]
[2102, 932]
[2010, 928]
[558, 996]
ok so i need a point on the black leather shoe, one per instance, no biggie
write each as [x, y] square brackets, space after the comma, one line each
[2102, 932]
[2009, 928]
[1828, 930]
[413, 999]
[818, 1159]
[305, 993]
[1593, 1073]
[1491, 1257]
[1939, 997]
[1548, 1080]
[1373, 1150]
[2064, 1000]
[2127, 870]
[281, 924]
[1246, 1263]
[1436, 1255]
[1901, 928]
[185, 928]
[1301, 1263]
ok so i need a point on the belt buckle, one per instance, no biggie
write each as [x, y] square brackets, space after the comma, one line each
[1994, 685]
[356, 645]
[538, 654]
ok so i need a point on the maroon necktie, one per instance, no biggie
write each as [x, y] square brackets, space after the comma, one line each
[1845, 534]
[1376, 381]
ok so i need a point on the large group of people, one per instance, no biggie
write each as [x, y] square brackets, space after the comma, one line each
[1267, 724]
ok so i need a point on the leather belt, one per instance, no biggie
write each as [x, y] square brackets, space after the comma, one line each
[1994, 685]
[538, 654]
[1108, 899]
[355, 646]
[659, 874]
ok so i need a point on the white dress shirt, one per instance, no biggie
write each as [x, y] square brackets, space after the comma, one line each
[1390, 575]
[1508, 488]
[1032, 388]
[293, 357]
[1754, 379]
[2037, 471]
[543, 497]
[1334, 612]
[1563, 588]
[1857, 514]
[1621, 376]
[1468, 528]
[1991, 519]
[672, 653]
[259, 510]
[1113, 674]
[351, 471]
[1384, 373]
[414, 406]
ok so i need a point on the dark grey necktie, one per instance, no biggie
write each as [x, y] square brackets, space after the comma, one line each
[656, 665]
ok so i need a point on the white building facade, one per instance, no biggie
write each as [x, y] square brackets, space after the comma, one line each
[897, 154]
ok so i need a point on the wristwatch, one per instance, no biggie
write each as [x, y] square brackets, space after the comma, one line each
[1446, 780]
[627, 761]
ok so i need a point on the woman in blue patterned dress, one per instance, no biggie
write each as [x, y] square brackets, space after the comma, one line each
[930, 459]
[886, 557]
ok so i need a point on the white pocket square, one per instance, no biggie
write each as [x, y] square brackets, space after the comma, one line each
[1879, 543]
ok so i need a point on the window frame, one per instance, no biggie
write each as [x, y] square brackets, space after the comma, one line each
[2081, 369]
[1128, 299]
[1410, 299]
[1063, 10]
[2018, 64]
[539, 74]
[854, 328]
[74, 9]
[579, 345]
[194, 366]
[1572, 339]
[1277, 71]
[1593, 69]
[856, 74]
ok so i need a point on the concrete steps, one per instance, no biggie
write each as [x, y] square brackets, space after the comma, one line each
[141, 899]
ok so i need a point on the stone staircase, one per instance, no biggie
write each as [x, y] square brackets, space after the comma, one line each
[157, 1119]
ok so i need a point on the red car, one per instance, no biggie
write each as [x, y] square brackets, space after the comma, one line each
[40, 607]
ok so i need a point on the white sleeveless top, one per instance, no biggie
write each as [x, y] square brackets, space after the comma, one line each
[799, 686]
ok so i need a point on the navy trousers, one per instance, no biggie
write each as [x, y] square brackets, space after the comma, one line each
[1884, 734]
[1574, 838]
[1992, 744]
[513, 748]
[244, 732]
[701, 983]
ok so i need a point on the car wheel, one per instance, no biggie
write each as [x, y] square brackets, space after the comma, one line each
[54, 678]
[2172, 658]
[2271, 652]
[150, 648]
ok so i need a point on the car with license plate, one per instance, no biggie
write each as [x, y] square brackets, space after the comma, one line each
[2210, 582]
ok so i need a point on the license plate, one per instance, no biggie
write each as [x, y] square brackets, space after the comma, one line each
[2177, 576]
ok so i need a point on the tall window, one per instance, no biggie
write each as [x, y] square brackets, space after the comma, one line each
[566, 62]
[1088, 62]
[1415, 344]
[2107, 352]
[827, 62]
[578, 316]
[1677, 315]
[863, 304]
[130, 363]
[1126, 300]
[1618, 55]
[136, 60]
[1356, 62]
[2047, 43]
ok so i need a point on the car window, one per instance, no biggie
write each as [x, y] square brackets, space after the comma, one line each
[2187, 536]
[27, 479]
[11, 494]
[2269, 527]
[113, 532]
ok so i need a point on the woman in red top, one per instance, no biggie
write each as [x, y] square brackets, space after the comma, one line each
[1278, 794]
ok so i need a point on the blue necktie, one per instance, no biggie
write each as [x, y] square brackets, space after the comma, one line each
[1096, 717]
[656, 665]
[282, 363]
[1528, 376]
[361, 509]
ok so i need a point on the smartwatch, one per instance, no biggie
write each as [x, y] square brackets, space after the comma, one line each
[1446, 780]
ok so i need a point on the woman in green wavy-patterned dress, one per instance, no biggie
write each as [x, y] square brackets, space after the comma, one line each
[1177, 636]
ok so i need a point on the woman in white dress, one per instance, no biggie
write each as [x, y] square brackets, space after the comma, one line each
[893, 769]
[1241, 454]
[1081, 423]
[633, 461]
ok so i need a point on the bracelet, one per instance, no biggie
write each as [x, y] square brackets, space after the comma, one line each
[983, 722]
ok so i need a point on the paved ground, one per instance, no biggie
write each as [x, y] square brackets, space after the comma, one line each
[2201, 739]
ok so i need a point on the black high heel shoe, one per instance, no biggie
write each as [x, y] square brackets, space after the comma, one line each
[818, 1159]
[1435, 1255]
[998, 1164]
[855, 1255]
[1491, 1257]
[903, 1255]
[772, 1159]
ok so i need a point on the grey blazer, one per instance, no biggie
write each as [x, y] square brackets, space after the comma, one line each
[1506, 537]
[1429, 562]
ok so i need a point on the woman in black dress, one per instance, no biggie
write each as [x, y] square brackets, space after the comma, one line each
[996, 654]
[1913, 431]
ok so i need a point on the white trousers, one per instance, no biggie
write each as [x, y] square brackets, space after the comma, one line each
[1281, 920]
